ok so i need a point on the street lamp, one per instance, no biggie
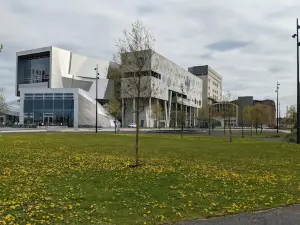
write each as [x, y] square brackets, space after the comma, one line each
[277, 111]
[181, 87]
[298, 100]
[97, 78]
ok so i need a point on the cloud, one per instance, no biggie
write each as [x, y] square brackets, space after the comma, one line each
[248, 42]
[226, 45]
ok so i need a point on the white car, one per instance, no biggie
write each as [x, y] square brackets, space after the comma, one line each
[132, 125]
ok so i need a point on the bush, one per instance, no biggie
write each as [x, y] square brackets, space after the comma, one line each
[292, 137]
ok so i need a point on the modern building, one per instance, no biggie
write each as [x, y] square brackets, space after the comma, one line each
[57, 88]
[212, 82]
[226, 113]
[168, 85]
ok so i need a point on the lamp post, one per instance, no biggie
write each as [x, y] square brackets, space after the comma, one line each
[181, 86]
[298, 100]
[97, 78]
[277, 111]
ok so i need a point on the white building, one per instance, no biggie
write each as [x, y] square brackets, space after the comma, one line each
[212, 82]
[57, 87]
[166, 80]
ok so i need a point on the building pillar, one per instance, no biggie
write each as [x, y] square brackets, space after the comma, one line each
[133, 110]
[186, 115]
[170, 106]
[157, 121]
[122, 112]
[150, 113]
[166, 114]
[176, 106]
[190, 116]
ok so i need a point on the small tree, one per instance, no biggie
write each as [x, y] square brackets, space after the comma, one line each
[3, 105]
[247, 116]
[133, 60]
[292, 116]
[257, 115]
[203, 115]
[228, 111]
[114, 109]
[157, 114]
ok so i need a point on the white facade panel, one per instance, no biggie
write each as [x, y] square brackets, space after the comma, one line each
[60, 62]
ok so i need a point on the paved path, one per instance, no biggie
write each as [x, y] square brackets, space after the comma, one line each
[289, 215]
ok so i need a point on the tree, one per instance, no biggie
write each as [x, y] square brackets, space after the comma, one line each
[1, 47]
[113, 108]
[203, 115]
[292, 116]
[247, 116]
[133, 60]
[258, 116]
[228, 111]
[157, 114]
[3, 105]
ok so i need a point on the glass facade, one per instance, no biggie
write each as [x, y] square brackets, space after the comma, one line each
[34, 69]
[49, 109]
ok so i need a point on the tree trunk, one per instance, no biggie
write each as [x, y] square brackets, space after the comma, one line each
[137, 110]
[256, 128]
[224, 127]
[230, 137]
[158, 127]
[115, 125]
[261, 128]
[251, 129]
[242, 128]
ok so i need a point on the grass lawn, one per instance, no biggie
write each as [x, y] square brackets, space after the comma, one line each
[85, 178]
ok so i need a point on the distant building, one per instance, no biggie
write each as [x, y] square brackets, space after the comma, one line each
[212, 82]
[247, 101]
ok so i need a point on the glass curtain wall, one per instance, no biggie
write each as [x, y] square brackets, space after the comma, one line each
[34, 69]
[48, 109]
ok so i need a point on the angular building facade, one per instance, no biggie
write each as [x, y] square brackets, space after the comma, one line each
[57, 88]
[173, 88]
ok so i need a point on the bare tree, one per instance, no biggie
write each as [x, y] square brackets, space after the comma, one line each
[257, 115]
[113, 108]
[157, 114]
[247, 116]
[228, 111]
[203, 115]
[292, 116]
[3, 105]
[133, 59]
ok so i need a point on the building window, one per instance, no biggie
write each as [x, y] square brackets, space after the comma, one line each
[57, 109]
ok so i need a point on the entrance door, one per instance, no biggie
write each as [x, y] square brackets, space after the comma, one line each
[48, 119]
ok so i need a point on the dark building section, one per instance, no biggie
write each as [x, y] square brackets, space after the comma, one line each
[33, 68]
[199, 70]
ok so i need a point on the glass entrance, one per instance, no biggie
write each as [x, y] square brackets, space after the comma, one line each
[48, 119]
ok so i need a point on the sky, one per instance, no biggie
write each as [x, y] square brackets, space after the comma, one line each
[249, 42]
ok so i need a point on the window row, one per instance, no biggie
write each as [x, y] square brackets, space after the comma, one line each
[47, 105]
[49, 96]
[143, 73]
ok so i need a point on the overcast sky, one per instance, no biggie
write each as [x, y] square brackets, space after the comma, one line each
[248, 42]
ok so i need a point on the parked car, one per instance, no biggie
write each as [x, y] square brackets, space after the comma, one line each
[132, 125]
